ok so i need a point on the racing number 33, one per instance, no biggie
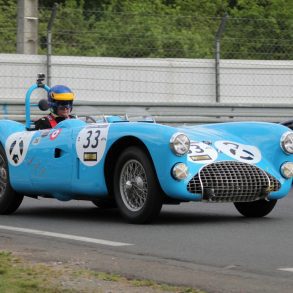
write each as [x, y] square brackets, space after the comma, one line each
[240, 152]
[92, 139]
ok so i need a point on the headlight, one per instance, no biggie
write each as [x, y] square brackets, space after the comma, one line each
[180, 171]
[287, 142]
[179, 144]
[287, 170]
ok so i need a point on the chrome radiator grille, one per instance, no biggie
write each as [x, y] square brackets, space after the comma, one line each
[232, 182]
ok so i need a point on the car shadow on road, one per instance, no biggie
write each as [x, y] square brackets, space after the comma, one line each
[179, 218]
[70, 214]
[93, 214]
[205, 214]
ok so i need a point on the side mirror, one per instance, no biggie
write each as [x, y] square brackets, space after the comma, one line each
[43, 105]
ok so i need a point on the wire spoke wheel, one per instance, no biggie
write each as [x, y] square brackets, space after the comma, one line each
[9, 199]
[3, 176]
[133, 185]
[136, 189]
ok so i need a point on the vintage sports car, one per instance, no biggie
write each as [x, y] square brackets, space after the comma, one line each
[137, 166]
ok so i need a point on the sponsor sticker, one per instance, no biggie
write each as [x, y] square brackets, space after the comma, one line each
[55, 134]
[36, 140]
[90, 156]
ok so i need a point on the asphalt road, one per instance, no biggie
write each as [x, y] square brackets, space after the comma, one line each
[197, 244]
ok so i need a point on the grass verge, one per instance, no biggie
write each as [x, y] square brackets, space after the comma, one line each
[21, 276]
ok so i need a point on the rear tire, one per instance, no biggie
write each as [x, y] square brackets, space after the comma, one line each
[255, 209]
[9, 199]
[136, 189]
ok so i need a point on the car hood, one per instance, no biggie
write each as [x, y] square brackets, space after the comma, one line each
[207, 134]
[246, 132]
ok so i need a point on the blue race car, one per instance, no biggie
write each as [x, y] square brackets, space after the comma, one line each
[137, 166]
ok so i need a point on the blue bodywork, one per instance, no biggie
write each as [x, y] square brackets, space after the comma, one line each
[75, 159]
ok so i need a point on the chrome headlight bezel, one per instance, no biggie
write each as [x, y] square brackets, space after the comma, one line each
[287, 170]
[286, 142]
[180, 144]
[180, 171]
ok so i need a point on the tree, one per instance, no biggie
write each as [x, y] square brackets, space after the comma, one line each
[153, 29]
[261, 29]
[71, 30]
[8, 26]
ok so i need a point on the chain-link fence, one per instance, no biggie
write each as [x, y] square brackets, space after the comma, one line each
[256, 39]
[166, 57]
[138, 35]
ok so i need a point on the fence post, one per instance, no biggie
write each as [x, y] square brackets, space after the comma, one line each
[49, 42]
[218, 55]
[27, 27]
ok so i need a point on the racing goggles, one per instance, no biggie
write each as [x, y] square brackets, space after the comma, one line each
[62, 105]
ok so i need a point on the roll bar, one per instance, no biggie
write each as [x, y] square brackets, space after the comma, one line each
[39, 84]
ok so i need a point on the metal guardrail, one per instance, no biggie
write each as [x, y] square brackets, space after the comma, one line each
[165, 113]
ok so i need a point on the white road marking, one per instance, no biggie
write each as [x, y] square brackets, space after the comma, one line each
[64, 236]
[286, 269]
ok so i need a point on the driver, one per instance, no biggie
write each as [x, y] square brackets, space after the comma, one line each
[60, 101]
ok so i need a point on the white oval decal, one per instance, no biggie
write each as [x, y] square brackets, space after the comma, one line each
[91, 144]
[16, 147]
[240, 152]
[201, 153]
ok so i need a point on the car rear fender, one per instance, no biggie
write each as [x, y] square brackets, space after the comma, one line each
[7, 127]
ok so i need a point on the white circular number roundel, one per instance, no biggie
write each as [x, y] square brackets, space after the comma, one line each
[240, 152]
[91, 144]
[201, 153]
[16, 147]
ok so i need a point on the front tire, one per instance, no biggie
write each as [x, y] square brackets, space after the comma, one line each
[255, 209]
[136, 189]
[105, 203]
[9, 199]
